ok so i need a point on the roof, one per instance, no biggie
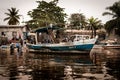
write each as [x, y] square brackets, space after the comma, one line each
[12, 26]
[44, 29]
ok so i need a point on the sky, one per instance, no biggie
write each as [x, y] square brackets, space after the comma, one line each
[89, 8]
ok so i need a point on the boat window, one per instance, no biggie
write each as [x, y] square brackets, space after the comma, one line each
[72, 38]
[79, 37]
[86, 37]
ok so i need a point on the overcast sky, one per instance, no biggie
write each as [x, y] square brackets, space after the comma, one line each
[89, 8]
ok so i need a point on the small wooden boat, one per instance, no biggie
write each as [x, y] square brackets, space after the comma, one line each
[112, 44]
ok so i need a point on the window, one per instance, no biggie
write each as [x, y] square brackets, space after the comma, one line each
[3, 33]
[14, 33]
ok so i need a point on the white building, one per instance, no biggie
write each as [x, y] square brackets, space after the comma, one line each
[10, 30]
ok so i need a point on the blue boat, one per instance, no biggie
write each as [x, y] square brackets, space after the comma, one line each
[78, 43]
[74, 42]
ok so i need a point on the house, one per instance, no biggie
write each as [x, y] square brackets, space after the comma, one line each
[10, 30]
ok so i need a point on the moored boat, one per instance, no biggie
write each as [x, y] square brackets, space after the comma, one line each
[76, 42]
[112, 44]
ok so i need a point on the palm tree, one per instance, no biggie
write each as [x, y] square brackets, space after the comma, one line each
[115, 22]
[13, 16]
[94, 24]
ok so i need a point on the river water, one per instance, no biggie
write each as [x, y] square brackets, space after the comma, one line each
[36, 66]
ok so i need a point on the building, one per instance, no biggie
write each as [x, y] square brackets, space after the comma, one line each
[10, 30]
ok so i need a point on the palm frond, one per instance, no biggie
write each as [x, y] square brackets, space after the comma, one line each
[6, 18]
[107, 13]
[8, 14]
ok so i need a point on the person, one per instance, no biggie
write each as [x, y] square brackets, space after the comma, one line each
[3, 40]
[58, 36]
[15, 43]
[44, 37]
[20, 40]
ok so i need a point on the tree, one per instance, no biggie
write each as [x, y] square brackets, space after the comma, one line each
[46, 13]
[113, 24]
[94, 24]
[77, 20]
[13, 16]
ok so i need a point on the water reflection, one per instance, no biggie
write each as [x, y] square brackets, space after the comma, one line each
[114, 67]
[32, 66]
[55, 67]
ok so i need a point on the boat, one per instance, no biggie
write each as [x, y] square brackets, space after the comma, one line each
[4, 49]
[78, 43]
[111, 44]
[74, 42]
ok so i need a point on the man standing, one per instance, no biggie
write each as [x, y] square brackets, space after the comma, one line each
[15, 43]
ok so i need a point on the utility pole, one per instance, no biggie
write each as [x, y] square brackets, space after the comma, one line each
[23, 22]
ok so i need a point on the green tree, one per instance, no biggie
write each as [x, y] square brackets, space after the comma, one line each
[94, 24]
[113, 24]
[77, 20]
[46, 13]
[13, 16]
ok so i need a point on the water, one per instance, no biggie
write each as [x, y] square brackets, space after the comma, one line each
[36, 66]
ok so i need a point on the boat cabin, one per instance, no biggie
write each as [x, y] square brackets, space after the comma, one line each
[78, 37]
